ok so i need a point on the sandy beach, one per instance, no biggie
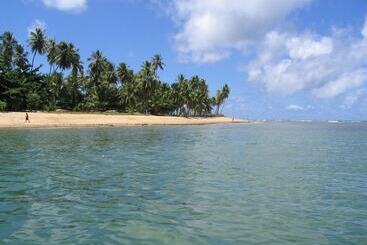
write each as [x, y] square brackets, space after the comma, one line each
[50, 120]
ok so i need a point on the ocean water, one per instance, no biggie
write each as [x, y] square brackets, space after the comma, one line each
[270, 183]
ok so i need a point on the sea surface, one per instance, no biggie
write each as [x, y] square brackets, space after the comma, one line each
[268, 183]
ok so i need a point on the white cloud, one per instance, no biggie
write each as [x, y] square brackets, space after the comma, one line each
[209, 30]
[352, 98]
[326, 65]
[293, 107]
[285, 62]
[343, 83]
[66, 5]
[37, 24]
[305, 47]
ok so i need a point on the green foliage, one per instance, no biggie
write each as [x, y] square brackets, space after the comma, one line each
[37, 42]
[2, 105]
[103, 87]
[50, 107]
[8, 44]
[220, 97]
[34, 101]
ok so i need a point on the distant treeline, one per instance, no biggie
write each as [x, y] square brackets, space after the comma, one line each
[102, 86]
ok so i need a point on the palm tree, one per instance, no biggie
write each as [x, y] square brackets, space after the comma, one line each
[76, 63]
[148, 82]
[198, 101]
[220, 97]
[161, 101]
[225, 93]
[109, 73]
[157, 63]
[63, 57]
[52, 50]
[55, 83]
[38, 42]
[129, 95]
[73, 88]
[103, 81]
[20, 58]
[96, 66]
[180, 95]
[68, 57]
[8, 45]
[124, 73]
[218, 101]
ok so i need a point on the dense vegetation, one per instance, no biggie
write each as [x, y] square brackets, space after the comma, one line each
[101, 86]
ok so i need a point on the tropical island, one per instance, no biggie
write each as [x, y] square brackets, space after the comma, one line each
[101, 87]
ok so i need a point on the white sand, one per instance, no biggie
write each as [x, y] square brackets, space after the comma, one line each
[47, 120]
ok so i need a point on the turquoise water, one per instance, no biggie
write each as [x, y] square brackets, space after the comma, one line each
[272, 183]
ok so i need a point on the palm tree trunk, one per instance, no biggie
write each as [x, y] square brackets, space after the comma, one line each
[34, 56]
[221, 111]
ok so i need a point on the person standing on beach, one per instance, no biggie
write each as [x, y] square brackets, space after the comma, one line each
[27, 118]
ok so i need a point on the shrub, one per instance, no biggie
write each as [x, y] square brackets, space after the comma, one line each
[2, 105]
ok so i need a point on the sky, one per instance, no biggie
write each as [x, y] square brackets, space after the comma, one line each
[283, 59]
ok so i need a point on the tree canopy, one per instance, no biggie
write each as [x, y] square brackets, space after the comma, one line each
[97, 86]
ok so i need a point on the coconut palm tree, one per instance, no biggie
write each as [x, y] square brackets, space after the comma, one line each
[76, 63]
[73, 90]
[161, 101]
[220, 97]
[180, 94]
[8, 45]
[62, 58]
[97, 62]
[38, 42]
[103, 81]
[148, 83]
[218, 101]
[67, 57]
[130, 97]
[124, 73]
[157, 63]
[52, 50]
[225, 94]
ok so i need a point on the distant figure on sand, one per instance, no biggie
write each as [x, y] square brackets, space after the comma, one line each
[27, 118]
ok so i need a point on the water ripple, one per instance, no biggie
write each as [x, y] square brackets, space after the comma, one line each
[277, 183]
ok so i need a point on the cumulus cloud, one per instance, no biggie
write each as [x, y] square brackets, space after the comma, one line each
[327, 66]
[209, 30]
[66, 5]
[343, 83]
[304, 47]
[294, 108]
[285, 62]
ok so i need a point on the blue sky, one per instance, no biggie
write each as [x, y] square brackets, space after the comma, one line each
[283, 59]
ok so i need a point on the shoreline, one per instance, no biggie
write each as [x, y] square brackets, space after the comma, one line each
[14, 120]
